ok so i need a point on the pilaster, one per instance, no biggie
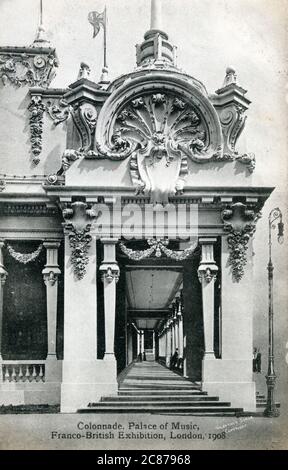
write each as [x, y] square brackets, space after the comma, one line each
[3, 277]
[110, 272]
[207, 272]
[51, 274]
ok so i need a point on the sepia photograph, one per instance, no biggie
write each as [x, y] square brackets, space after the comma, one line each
[143, 226]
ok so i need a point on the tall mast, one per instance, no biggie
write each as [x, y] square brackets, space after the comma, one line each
[41, 40]
[156, 15]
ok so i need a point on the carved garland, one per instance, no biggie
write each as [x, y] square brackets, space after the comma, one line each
[80, 242]
[24, 258]
[158, 247]
[238, 245]
[36, 108]
[241, 226]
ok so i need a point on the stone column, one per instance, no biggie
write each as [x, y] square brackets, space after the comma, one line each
[176, 328]
[166, 342]
[138, 343]
[142, 342]
[169, 343]
[180, 329]
[110, 275]
[207, 272]
[3, 277]
[51, 273]
[85, 378]
[129, 344]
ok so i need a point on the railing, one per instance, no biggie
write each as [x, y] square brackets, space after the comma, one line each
[23, 371]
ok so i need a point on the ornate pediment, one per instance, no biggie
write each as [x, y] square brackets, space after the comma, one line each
[158, 129]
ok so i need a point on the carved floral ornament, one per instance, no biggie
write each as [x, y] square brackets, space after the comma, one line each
[80, 242]
[240, 224]
[36, 108]
[29, 69]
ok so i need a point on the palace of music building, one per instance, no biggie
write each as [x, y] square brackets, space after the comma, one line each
[126, 222]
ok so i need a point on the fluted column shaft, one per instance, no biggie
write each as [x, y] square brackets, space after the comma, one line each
[110, 275]
[51, 274]
[207, 272]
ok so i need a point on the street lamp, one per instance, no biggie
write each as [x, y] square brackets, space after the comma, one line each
[271, 410]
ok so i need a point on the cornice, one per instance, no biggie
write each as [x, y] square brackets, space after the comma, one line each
[32, 210]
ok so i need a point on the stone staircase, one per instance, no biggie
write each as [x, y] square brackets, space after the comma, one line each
[261, 401]
[149, 387]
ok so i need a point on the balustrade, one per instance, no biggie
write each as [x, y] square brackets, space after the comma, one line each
[14, 371]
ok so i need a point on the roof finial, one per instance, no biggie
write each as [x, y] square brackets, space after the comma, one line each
[156, 14]
[41, 39]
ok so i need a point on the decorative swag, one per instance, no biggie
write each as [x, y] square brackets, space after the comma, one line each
[158, 247]
[24, 258]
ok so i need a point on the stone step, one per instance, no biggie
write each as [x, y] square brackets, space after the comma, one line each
[151, 405]
[161, 398]
[197, 410]
[137, 385]
[147, 392]
[263, 405]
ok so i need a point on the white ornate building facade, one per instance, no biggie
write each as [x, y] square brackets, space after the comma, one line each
[126, 224]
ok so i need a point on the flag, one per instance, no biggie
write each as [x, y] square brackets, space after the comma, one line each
[97, 19]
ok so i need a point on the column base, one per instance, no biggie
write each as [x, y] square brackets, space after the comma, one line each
[231, 380]
[85, 382]
[109, 357]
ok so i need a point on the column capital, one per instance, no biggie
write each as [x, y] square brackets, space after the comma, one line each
[207, 240]
[109, 241]
[51, 244]
[208, 269]
[51, 275]
[207, 273]
[109, 272]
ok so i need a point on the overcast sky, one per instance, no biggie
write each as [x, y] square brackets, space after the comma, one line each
[251, 35]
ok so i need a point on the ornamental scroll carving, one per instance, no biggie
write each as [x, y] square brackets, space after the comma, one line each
[159, 132]
[232, 117]
[240, 224]
[85, 119]
[28, 68]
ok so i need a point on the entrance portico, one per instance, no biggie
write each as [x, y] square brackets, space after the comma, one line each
[138, 244]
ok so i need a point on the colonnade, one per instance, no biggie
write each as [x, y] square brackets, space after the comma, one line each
[171, 337]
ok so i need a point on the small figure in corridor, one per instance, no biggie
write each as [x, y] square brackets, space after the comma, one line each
[174, 360]
[258, 362]
[254, 359]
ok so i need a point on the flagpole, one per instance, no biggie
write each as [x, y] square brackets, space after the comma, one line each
[105, 38]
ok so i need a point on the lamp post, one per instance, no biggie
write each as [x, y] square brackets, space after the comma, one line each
[271, 411]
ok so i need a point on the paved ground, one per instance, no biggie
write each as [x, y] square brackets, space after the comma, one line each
[74, 431]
